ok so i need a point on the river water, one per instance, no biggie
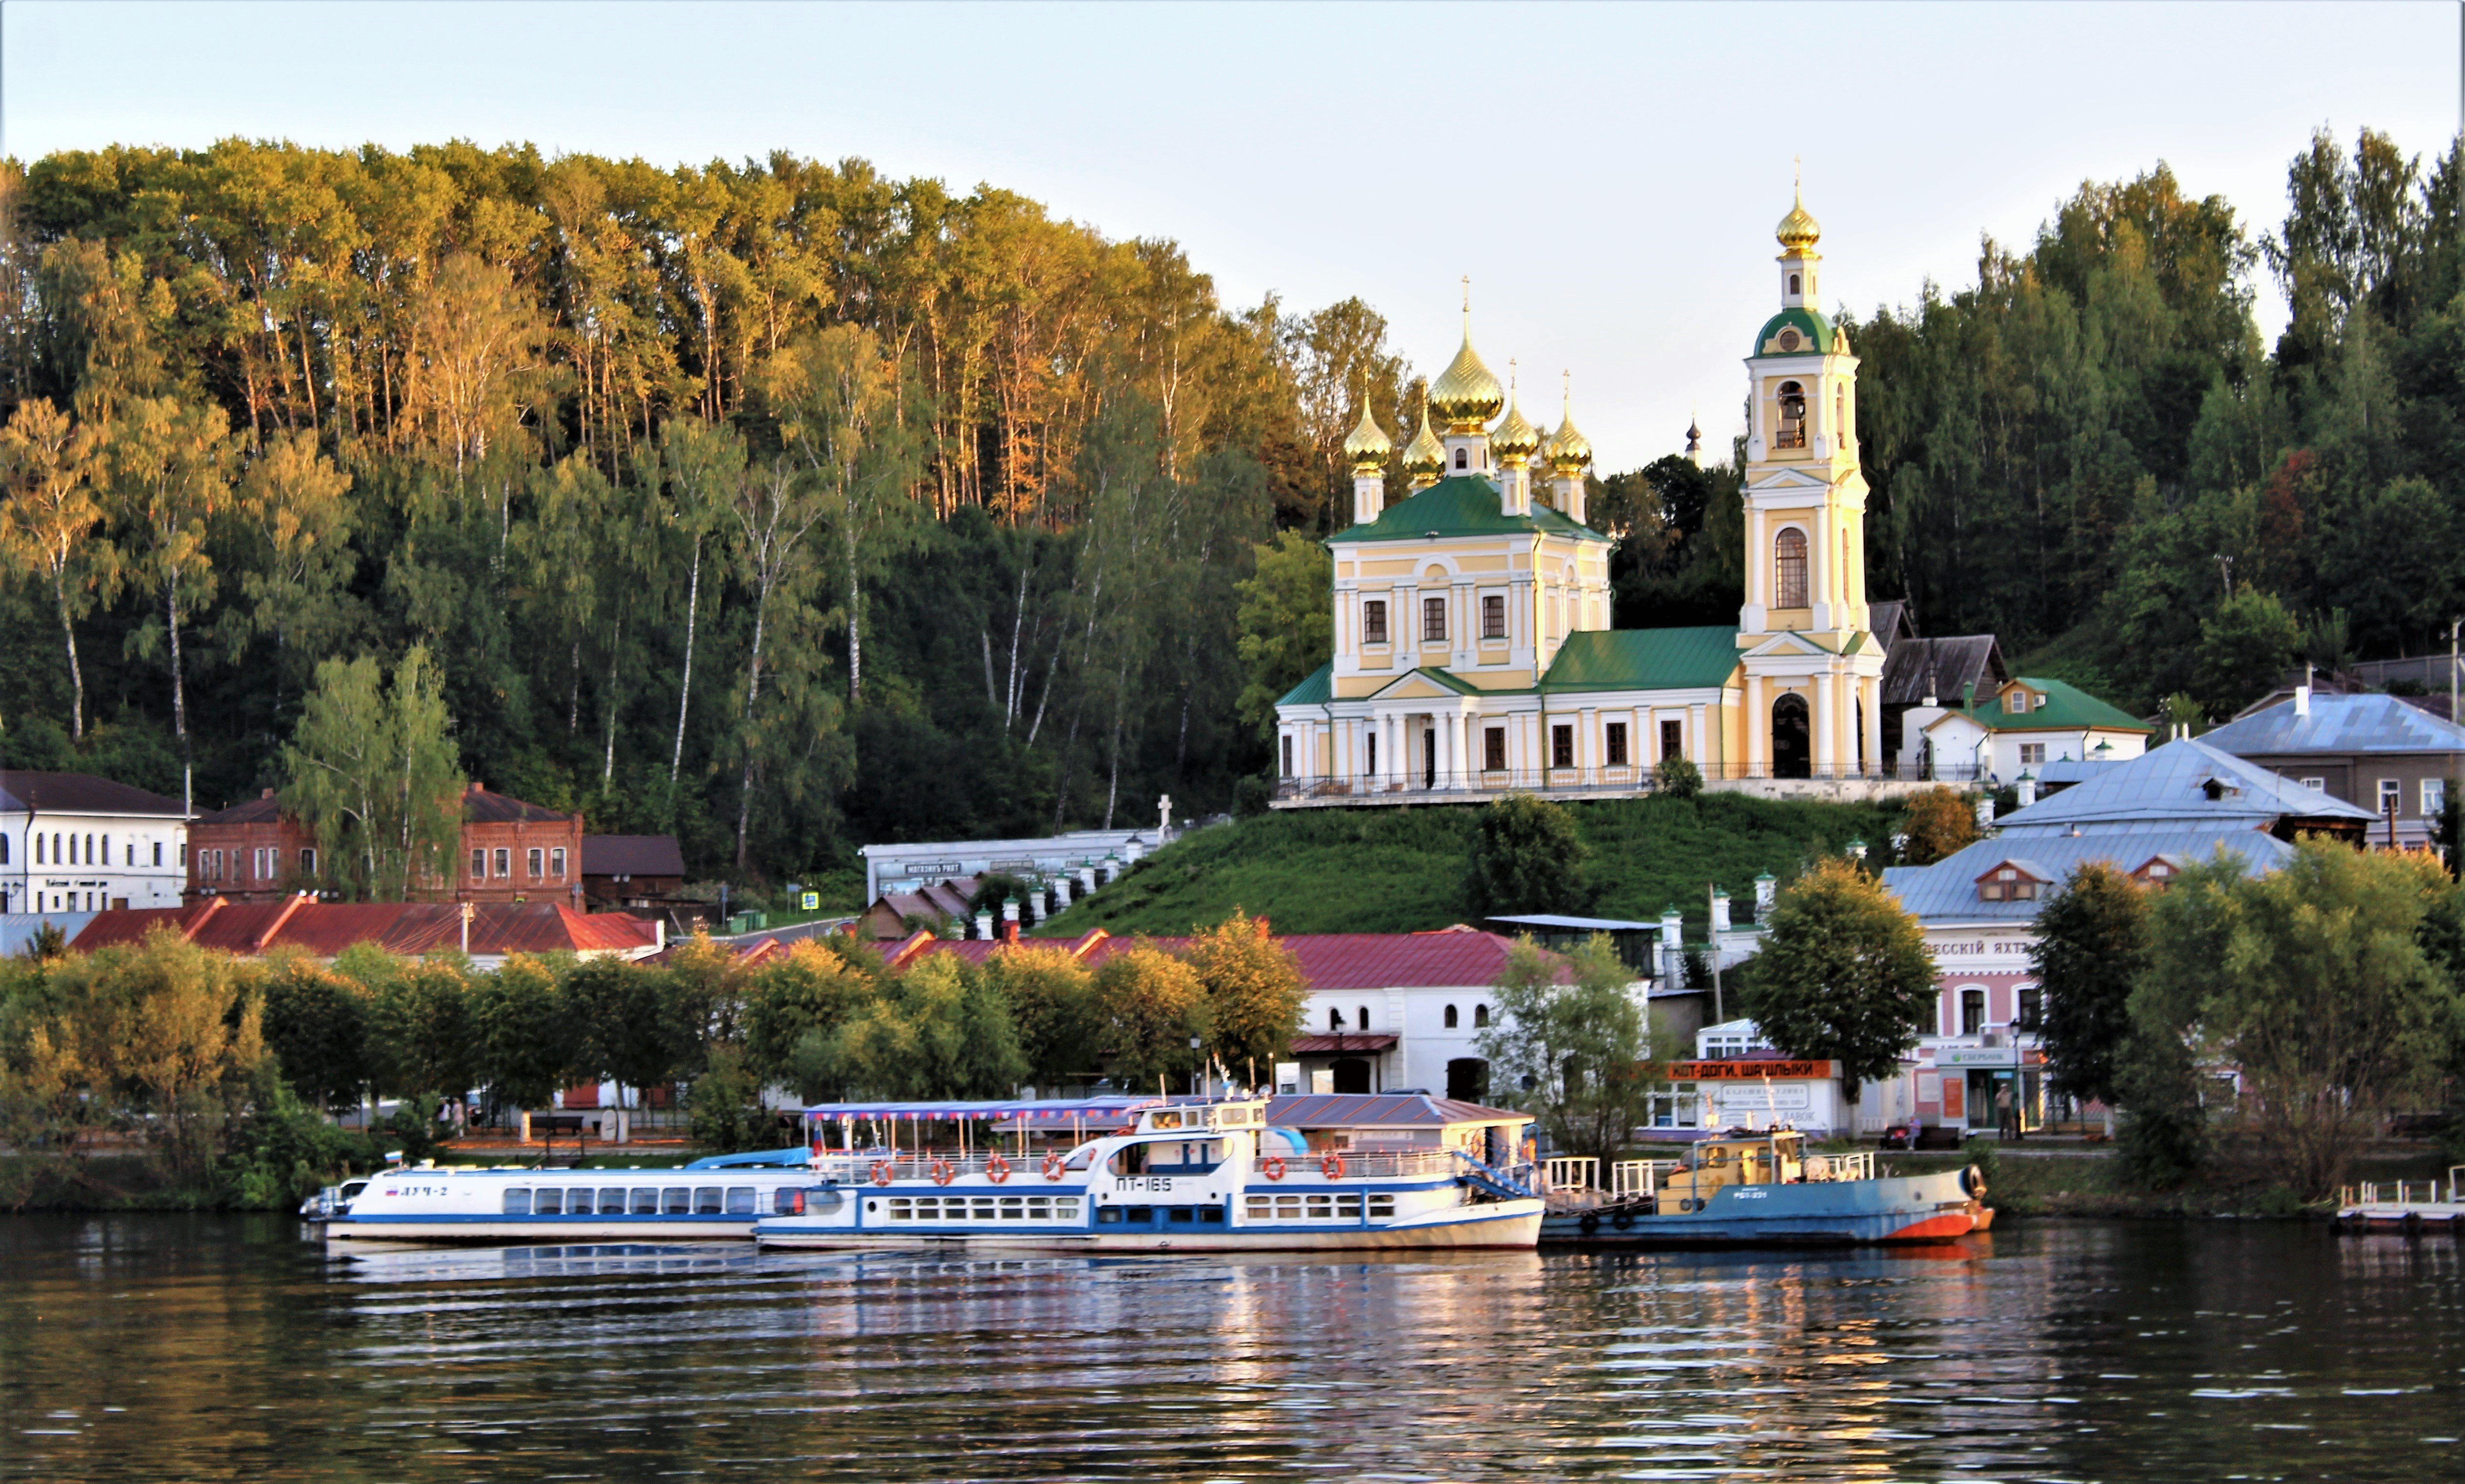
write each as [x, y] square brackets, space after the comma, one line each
[163, 1348]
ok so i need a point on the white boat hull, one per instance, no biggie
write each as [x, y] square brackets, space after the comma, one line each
[1505, 1224]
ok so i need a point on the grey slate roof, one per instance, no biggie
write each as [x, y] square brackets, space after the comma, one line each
[2171, 785]
[1947, 889]
[1914, 668]
[2339, 724]
[78, 793]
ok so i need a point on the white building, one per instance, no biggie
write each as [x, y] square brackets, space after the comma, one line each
[2017, 727]
[71, 842]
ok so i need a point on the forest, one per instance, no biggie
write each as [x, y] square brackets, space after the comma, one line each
[787, 507]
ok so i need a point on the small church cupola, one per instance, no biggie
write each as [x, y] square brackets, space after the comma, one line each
[1367, 448]
[1798, 233]
[1465, 397]
[1694, 444]
[1514, 440]
[1569, 453]
[1425, 458]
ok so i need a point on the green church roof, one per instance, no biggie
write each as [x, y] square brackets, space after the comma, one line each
[1463, 505]
[1644, 659]
[1316, 691]
[1819, 334]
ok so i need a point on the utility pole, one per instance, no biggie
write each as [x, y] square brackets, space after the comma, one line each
[1711, 895]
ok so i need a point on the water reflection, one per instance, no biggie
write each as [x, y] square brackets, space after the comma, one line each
[137, 1348]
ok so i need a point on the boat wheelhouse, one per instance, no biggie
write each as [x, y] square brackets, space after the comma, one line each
[1752, 1189]
[1170, 1174]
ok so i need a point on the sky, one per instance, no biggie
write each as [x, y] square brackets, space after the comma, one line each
[1607, 175]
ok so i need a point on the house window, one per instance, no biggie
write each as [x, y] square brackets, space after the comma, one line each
[2016, 702]
[2033, 754]
[1562, 746]
[1791, 433]
[1672, 740]
[1616, 743]
[2392, 796]
[1972, 1011]
[2434, 797]
[1372, 760]
[1493, 616]
[1789, 566]
[1459, 458]
[3, 849]
[307, 864]
[1479, 1016]
[158, 852]
[479, 865]
[1373, 622]
[504, 861]
[1493, 749]
[1288, 758]
[1334, 1018]
[556, 863]
[1792, 284]
[38, 850]
[1433, 620]
[2032, 1009]
[1451, 1017]
[2320, 783]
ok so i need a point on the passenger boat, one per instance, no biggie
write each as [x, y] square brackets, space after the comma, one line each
[1749, 1189]
[1209, 1174]
[714, 1197]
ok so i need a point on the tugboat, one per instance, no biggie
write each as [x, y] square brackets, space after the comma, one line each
[1755, 1188]
[1185, 1175]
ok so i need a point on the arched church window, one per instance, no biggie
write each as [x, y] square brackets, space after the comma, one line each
[1792, 416]
[1789, 566]
[1459, 458]
[1792, 285]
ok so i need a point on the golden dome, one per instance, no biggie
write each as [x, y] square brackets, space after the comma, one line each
[1466, 396]
[1514, 439]
[1569, 451]
[1425, 458]
[1799, 231]
[1369, 446]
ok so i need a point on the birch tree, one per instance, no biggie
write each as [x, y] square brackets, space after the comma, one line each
[166, 472]
[371, 770]
[48, 522]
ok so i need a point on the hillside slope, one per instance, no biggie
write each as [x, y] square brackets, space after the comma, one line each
[1402, 870]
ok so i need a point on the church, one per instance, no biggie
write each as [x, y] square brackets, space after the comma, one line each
[1472, 646]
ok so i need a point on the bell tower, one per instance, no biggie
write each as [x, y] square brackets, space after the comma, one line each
[1813, 670]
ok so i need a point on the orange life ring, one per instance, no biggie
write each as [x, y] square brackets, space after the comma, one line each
[942, 1172]
[1273, 1167]
[1052, 1166]
[1332, 1166]
[881, 1172]
[996, 1169]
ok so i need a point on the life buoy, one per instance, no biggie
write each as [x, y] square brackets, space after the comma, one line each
[942, 1172]
[1332, 1166]
[1273, 1166]
[997, 1170]
[1052, 1166]
[881, 1172]
[1972, 1180]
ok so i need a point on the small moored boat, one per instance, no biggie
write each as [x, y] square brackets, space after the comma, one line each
[1747, 1189]
[713, 1198]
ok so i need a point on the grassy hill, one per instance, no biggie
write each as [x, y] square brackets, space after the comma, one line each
[1402, 870]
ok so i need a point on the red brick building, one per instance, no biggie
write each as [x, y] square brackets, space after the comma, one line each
[511, 852]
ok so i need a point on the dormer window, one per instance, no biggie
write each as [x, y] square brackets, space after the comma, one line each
[1792, 405]
[2008, 882]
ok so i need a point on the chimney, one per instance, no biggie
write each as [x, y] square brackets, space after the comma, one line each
[265, 793]
[2028, 789]
[1009, 931]
[2303, 698]
[984, 927]
[1720, 910]
[1986, 811]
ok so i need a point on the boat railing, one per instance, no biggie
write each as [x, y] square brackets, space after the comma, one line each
[1570, 1172]
[1636, 1179]
[2401, 1193]
[1858, 1165]
[859, 1167]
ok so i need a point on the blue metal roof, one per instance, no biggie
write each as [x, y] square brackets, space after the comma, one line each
[2173, 783]
[1947, 889]
[1035, 1110]
[2338, 723]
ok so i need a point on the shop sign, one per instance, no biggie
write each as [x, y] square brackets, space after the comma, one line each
[1783, 1097]
[1749, 1070]
[1977, 1056]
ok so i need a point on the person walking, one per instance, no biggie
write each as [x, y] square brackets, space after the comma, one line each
[2007, 1114]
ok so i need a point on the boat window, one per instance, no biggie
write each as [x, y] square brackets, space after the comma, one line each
[517, 1203]
[1348, 1207]
[1381, 1205]
[739, 1200]
[1165, 1121]
[1261, 1207]
[1185, 1215]
[1142, 1215]
[1131, 1161]
[1109, 1215]
[1065, 1207]
[645, 1202]
[902, 1208]
[677, 1201]
[822, 1202]
[1322, 1208]
[1212, 1215]
[577, 1203]
[1014, 1208]
[549, 1201]
[706, 1201]
[612, 1202]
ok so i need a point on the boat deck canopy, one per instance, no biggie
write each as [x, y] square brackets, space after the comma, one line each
[1053, 1110]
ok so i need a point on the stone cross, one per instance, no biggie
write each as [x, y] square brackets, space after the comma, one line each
[1163, 813]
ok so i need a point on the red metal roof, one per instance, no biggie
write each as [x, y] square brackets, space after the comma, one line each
[1381, 1109]
[480, 807]
[1399, 961]
[264, 808]
[405, 927]
[1336, 1043]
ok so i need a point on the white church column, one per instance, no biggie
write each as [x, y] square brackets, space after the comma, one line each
[1758, 728]
[1823, 753]
[1871, 692]
[1695, 730]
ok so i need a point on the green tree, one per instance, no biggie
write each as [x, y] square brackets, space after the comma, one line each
[316, 1024]
[800, 1001]
[371, 771]
[1937, 821]
[1149, 1007]
[1287, 623]
[1526, 857]
[421, 1026]
[2244, 648]
[1050, 998]
[48, 521]
[525, 1033]
[2314, 981]
[293, 505]
[163, 477]
[1571, 1044]
[1255, 993]
[1844, 974]
[625, 1023]
[2092, 946]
